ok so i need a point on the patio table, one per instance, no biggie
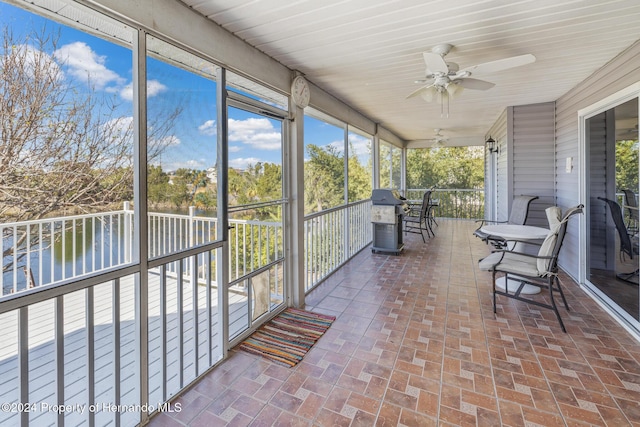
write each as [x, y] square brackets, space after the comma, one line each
[523, 234]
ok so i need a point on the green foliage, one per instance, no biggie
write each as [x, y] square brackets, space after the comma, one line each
[157, 182]
[323, 178]
[359, 180]
[360, 176]
[269, 182]
[455, 167]
[259, 183]
[627, 165]
[177, 193]
[448, 167]
[205, 200]
[241, 187]
[187, 187]
[390, 159]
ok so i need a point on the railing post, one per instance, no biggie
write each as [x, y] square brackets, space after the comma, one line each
[192, 229]
[128, 237]
[456, 206]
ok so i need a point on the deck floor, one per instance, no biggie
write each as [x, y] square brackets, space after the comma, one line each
[416, 343]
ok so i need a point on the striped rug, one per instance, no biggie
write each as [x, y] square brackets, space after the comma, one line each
[288, 336]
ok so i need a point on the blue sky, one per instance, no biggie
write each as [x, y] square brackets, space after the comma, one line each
[108, 67]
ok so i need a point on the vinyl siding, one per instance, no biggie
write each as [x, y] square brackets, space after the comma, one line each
[533, 157]
[501, 196]
[621, 72]
[525, 136]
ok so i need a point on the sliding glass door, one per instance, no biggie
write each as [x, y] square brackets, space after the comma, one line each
[611, 137]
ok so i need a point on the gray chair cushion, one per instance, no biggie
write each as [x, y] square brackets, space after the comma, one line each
[510, 262]
[554, 216]
[520, 209]
[513, 262]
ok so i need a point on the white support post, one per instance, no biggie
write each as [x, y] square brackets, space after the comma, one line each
[296, 224]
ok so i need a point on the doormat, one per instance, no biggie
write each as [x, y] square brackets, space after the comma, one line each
[287, 337]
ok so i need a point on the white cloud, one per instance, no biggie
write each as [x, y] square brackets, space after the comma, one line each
[200, 164]
[359, 145]
[120, 124]
[208, 128]
[337, 145]
[234, 149]
[127, 92]
[84, 64]
[154, 87]
[258, 133]
[192, 164]
[169, 141]
[243, 163]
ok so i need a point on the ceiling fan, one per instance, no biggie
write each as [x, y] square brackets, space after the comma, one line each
[444, 80]
[439, 140]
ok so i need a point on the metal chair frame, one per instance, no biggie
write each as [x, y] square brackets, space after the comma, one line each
[418, 223]
[547, 279]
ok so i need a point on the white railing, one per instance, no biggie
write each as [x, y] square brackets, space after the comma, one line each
[333, 236]
[252, 245]
[82, 345]
[43, 252]
[459, 203]
[46, 251]
[170, 233]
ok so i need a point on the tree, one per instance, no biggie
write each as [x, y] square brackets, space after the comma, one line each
[390, 159]
[269, 182]
[157, 182]
[627, 165]
[64, 148]
[323, 178]
[449, 167]
[242, 187]
[359, 180]
[205, 200]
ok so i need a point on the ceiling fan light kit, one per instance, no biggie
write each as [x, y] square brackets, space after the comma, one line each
[443, 79]
[439, 140]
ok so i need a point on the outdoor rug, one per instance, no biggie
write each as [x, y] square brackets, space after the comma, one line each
[287, 337]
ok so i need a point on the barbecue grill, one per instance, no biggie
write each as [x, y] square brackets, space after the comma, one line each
[387, 209]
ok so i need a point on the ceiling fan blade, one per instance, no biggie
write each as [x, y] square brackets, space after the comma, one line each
[435, 63]
[500, 64]
[417, 92]
[475, 84]
[425, 82]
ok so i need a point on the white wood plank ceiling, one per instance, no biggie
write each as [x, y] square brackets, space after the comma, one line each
[368, 53]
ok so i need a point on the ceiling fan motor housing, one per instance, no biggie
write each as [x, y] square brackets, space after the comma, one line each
[442, 49]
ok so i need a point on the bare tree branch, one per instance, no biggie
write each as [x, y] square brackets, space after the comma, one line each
[64, 148]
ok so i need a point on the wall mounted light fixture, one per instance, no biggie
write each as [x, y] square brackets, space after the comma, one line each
[492, 145]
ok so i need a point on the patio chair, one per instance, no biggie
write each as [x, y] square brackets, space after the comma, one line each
[527, 269]
[417, 220]
[628, 248]
[632, 209]
[518, 215]
[433, 204]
